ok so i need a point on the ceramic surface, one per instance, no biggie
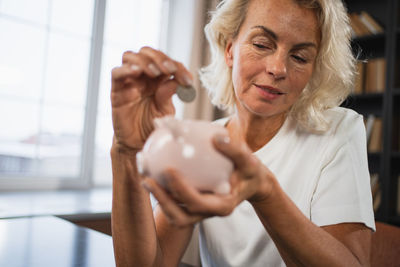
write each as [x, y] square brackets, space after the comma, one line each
[186, 145]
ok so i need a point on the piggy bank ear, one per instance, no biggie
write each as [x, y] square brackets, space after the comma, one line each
[223, 188]
[142, 164]
[165, 122]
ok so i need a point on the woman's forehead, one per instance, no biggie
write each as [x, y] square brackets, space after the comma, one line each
[282, 17]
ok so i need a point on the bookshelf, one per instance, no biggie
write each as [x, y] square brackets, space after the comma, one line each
[383, 103]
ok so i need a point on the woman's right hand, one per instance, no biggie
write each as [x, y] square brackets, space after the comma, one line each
[142, 89]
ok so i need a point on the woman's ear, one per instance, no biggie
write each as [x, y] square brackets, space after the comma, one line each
[229, 54]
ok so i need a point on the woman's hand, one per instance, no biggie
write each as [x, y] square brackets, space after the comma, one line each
[142, 89]
[183, 205]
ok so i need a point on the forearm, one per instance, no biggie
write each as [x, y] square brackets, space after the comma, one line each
[133, 229]
[299, 241]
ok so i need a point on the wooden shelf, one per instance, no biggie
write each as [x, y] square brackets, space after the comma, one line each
[386, 104]
[369, 46]
[375, 96]
[374, 162]
[365, 104]
[396, 162]
[395, 220]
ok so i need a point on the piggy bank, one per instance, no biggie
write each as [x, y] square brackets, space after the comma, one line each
[186, 145]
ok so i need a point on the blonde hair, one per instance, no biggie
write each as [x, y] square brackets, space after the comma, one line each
[334, 70]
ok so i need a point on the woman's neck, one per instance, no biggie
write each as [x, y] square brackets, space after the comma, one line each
[256, 131]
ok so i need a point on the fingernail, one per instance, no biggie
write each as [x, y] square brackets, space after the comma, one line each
[146, 186]
[135, 67]
[223, 139]
[170, 66]
[154, 69]
[166, 177]
[187, 80]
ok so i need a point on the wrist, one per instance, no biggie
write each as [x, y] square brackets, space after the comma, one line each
[119, 148]
[124, 166]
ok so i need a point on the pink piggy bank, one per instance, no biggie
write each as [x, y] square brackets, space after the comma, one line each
[186, 145]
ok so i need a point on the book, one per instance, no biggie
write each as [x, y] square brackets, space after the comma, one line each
[359, 80]
[374, 184]
[377, 200]
[355, 30]
[375, 139]
[375, 191]
[369, 122]
[359, 29]
[364, 24]
[375, 75]
[373, 26]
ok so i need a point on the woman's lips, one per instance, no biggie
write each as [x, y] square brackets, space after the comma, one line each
[269, 92]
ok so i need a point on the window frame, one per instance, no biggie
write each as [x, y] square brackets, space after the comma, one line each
[84, 179]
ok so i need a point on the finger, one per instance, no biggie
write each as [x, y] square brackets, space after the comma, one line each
[168, 65]
[134, 65]
[124, 72]
[162, 61]
[151, 62]
[239, 186]
[179, 188]
[163, 96]
[140, 61]
[126, 75]
[196, 202]
[239, 153]
[171, 209]
[190, 221]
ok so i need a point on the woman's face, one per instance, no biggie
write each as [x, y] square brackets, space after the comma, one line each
[273, 56]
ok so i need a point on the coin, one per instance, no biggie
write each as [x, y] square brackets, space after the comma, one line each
[186, 93]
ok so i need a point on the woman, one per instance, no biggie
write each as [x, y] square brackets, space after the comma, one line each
[300, 189]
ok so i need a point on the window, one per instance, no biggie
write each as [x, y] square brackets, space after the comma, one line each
[55, 82]
[129, 25]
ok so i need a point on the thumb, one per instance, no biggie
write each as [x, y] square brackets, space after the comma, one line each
[238, 152]
[164, 93]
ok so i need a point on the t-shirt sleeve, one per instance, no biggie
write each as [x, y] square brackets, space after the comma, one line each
[343, 193]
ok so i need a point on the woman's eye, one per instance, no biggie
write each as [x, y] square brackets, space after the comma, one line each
[299, 59]
[261, 46]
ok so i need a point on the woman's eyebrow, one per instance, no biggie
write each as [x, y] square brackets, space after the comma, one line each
[305, 45]
[274, 36]
[267, 31]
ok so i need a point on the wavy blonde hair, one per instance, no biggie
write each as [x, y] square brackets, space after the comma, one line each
[334, 71]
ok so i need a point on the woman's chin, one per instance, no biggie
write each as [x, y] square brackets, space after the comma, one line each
[261, 110]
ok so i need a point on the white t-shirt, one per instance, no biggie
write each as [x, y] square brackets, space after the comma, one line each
[326, 176]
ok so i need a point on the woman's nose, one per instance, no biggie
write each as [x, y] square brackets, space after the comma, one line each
[276, 65]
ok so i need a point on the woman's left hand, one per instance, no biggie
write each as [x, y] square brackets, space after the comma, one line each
[184, 205]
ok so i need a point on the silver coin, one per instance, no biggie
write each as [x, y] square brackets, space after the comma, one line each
[186, 93]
